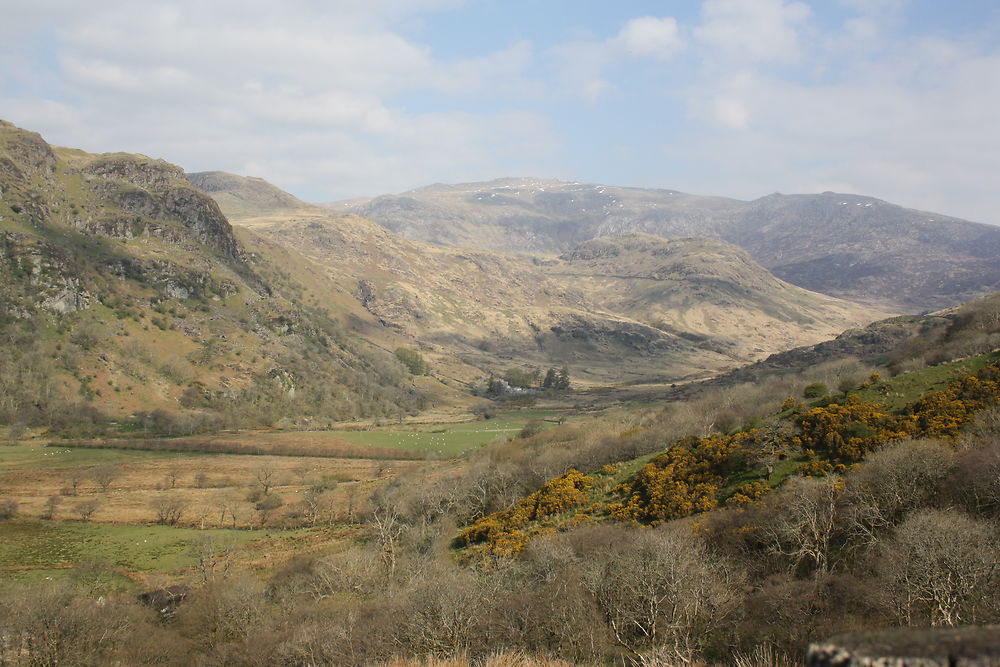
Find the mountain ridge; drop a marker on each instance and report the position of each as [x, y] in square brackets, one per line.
[850, 246]
[495, 309]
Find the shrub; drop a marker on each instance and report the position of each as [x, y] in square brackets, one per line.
[815, 390]
[8, 509]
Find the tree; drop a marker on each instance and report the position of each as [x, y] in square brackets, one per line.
[388, 528]
[663, 587]
[105, 474]
[891, 482]
[266, 506]
[50, 507]
[413, 360]
[942, 567]
[550, 379]
[846, 383]
[171, 476]
[87, 508]
[562, 379]
[168, 508]
[314, 503]
[804, 520]
[75, 477]
[265, 477]
[8, 509]
[522, 377]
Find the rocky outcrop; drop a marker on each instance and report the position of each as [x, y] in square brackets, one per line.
[158, 190]
[28, 150]
[911, 647]
[44, 275]
[136, 170]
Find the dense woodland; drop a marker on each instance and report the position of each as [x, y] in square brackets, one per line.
[730, 528]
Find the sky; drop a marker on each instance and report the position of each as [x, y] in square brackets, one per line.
[897, 99]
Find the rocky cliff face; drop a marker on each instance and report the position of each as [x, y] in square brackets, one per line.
[157, 191]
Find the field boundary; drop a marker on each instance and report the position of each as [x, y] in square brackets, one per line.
[336, 449]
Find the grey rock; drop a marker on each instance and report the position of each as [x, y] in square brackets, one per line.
[970, 646]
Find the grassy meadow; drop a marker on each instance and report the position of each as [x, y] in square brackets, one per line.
[445, 440]
[103, 501]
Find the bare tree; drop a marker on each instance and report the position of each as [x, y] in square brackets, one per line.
[51, 504]
[387, 526]
[892, 482]
[446, 613]
[352, 499]
[804, 521]
[315, 502]
[356, 571]
[942, 568]
[168, 508]
[663, 587]
[265, 477]
[266, 506]
[214, 556]
[171, 477]
[105, 474]
[302, 471]
[75, 477]
[229, 503]
[8, 509]
[87, 508]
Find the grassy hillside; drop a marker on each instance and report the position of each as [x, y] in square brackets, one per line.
[124, 292]
[834, 416]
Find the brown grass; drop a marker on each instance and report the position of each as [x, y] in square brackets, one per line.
[256, 444]
[501, 659]
[204, 482]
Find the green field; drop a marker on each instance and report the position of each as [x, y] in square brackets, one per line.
[445, 439]
[909, 387]
[38, 545]
[38, 457]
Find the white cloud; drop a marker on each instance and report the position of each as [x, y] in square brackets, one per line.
[304, 93]
[753, 30]
[582, 66]
[650, 36]
[912, 125]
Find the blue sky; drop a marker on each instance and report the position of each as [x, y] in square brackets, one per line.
[893, 98]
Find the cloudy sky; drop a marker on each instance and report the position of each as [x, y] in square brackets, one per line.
[899, 99]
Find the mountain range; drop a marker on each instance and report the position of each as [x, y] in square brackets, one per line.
[625, 308]
[850, 246]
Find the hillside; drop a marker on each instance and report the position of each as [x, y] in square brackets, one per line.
[124, 291]
[852, 247]
[243, 196]
[649, 310]
[935, 390]
[707, 290]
